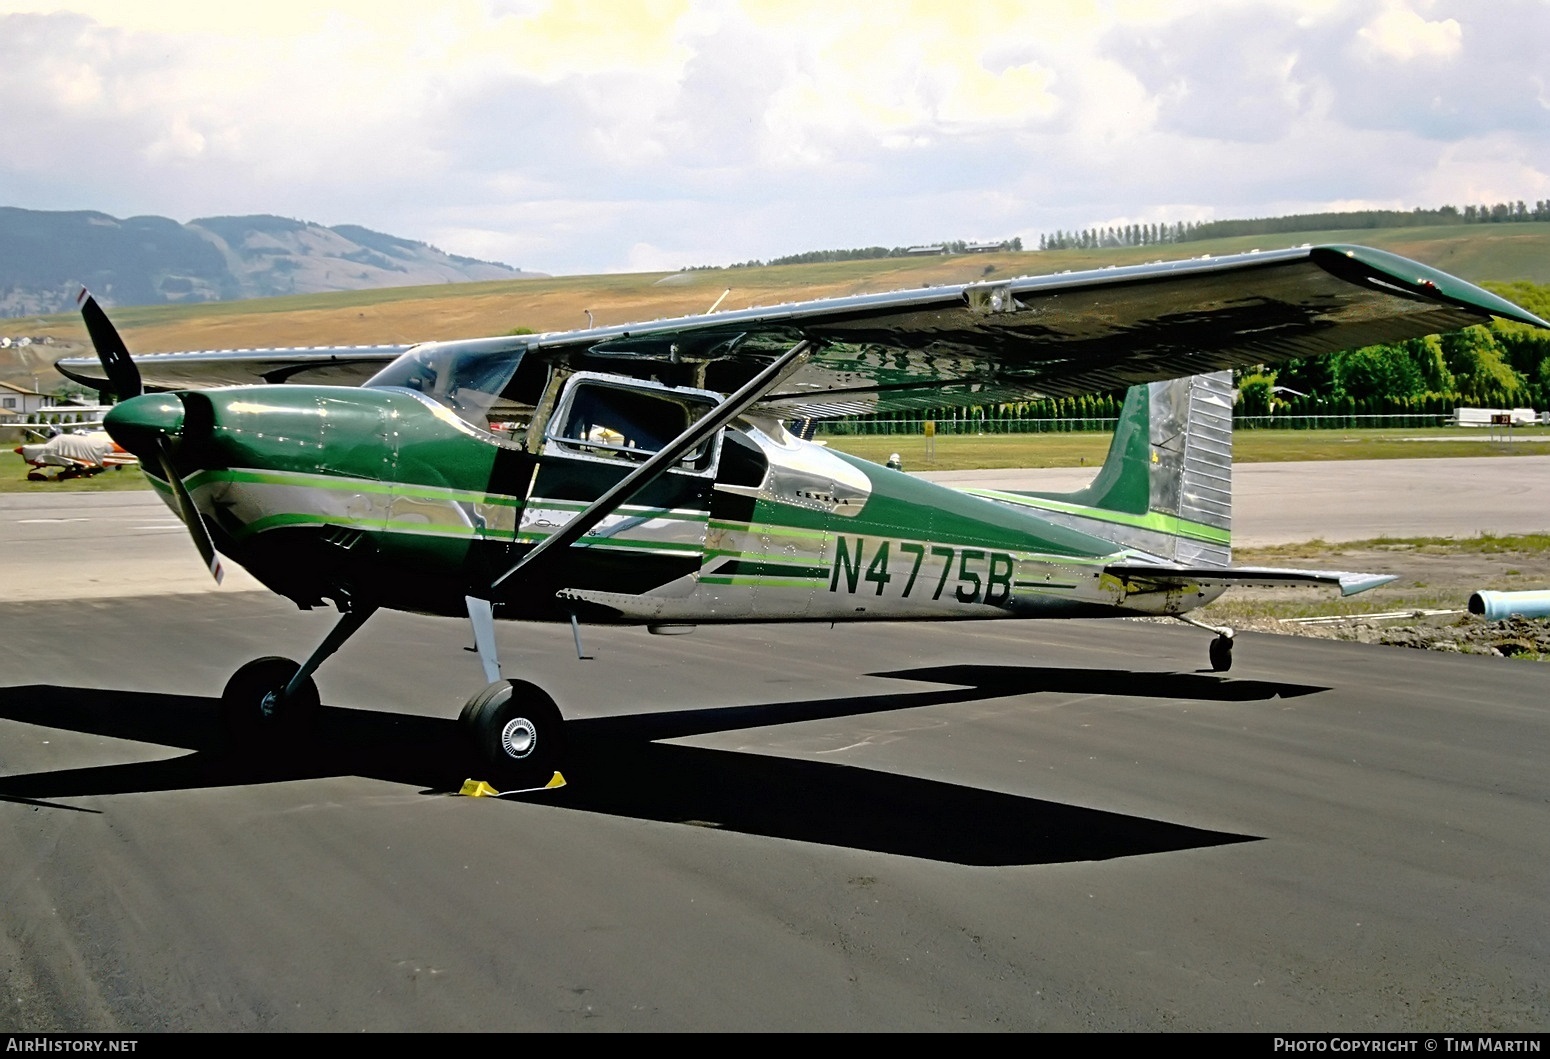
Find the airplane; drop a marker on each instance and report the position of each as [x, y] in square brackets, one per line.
[77, 453]
[644, 473]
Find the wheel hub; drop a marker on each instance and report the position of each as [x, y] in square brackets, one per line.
[519, 737]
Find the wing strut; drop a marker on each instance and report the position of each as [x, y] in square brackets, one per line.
[648, 472]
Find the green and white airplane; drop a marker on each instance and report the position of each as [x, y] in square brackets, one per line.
[646, 474]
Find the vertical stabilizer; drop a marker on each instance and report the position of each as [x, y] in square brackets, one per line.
[1166, 485]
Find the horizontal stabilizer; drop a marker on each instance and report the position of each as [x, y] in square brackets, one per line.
[1258, 576]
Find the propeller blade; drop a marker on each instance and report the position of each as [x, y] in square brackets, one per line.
[122, 374]
[190, 514]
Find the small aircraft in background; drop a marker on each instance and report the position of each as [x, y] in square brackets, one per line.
[74, 454]
[644, 474]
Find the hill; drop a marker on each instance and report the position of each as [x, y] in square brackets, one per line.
[49, 256]
[1479, 253]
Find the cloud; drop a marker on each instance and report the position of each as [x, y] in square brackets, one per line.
[1401, 34]
[585, 136]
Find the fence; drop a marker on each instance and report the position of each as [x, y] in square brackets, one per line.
[992, 425]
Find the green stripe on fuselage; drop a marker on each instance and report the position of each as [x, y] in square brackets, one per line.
[334, 483]
[296, 479]
[752, 581]
[768, 529]
[746, 566]
[1152, 520]
[902, 506]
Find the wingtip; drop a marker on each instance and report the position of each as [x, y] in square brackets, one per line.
[1351, 584]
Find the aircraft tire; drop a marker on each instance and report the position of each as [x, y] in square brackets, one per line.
[1221, 654]
[253, 718]
[518, 733]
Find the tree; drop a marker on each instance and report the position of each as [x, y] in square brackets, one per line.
[1314, 376]
[1526, 348]
[1254, 394]
[1479, 368]
[1426, 353]
[1404, 369]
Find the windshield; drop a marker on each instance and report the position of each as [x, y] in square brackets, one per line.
[473, 382]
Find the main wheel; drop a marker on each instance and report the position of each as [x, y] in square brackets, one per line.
[518, 733]
[254, 710]
[1221, 654]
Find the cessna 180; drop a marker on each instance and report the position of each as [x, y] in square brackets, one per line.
[645, 473]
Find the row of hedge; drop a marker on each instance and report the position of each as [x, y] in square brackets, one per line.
[1100, 411]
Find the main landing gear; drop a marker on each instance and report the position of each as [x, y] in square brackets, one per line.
[1220, 652]
[518, 734]
[516, 730]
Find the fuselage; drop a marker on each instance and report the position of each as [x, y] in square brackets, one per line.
[412, 500]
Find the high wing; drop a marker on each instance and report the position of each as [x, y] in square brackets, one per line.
[971, 344]
[194, 370]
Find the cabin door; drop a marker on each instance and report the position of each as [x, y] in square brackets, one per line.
[603, 427]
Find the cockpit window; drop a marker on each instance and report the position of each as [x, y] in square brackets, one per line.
[628, 424]
[480, 386]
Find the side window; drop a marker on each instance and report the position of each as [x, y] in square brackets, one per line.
[742, 462]
[624, 424]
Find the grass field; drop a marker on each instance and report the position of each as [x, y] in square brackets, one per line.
[1432, 573]
[13, 479]
[970, 452]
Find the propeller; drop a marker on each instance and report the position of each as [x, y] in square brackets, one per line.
[146, 423]
[123, 376]
[189, 513]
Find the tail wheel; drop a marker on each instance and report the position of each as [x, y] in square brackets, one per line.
[518, 732]
[1221, 654]
[254, 709]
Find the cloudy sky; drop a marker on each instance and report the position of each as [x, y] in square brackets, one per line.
[572, 136]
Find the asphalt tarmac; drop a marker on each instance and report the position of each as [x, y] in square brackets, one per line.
[979, 826]
[1284, 503]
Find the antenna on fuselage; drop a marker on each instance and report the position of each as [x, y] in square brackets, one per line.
[718, 301]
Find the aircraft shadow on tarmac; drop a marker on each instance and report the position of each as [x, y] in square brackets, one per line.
[620, 767]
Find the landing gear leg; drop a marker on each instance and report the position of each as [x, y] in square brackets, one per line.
[273, 697]
[1220, 652]
[516, 729]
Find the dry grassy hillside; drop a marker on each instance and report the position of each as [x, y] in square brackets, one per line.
[1475, 252]
[474, 309]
